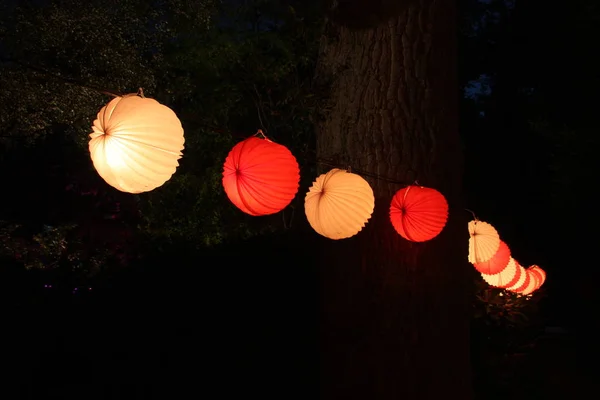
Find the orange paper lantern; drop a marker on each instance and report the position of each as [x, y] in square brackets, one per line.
[509, 276]
[260, 177]
[136, 143]
[484, 241]
[497, 263]
[418, 213]
[339, 204]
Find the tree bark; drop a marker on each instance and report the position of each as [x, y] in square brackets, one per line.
[395, 314]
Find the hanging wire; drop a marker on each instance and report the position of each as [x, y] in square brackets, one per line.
[259, 109]
[472, 213]
[259, 133]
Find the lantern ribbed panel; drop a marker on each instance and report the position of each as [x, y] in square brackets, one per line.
[339, 204]
[136, 143]
[260, 177]
[418, 213]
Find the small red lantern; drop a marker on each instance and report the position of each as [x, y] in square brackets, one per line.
[418, 213]
[260, 177]
[496, 264]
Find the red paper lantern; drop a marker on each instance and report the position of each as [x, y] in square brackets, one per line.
[260, 177]
[522, 284]
[519, 282]
[496, 264]
[508, 277]
[418, 213]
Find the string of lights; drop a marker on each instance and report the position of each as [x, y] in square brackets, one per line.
[487, 252]
[259, 133]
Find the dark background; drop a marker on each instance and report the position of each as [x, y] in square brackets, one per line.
[223, 313]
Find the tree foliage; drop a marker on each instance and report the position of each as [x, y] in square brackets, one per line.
[226, 68]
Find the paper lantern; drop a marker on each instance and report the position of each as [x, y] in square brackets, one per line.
[260, 177]
[418, 213]
[508, 277]
[533, 282]
[521, 284]
[339, 204]
[136, 143]
[541, 273]
[484, 241]
[537, 275]
[522, 277]
[497, 263]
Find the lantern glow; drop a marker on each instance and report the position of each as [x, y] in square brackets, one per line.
[260, 177]
[533, 282]
[484, 241]
[136, 143]
[507, 277]
[418, 213]
[497, 263]
[339, 204]
[541, 273]
[522, 283]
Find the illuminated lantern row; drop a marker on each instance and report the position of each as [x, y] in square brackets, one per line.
[260, 177]
[492, 258]
[136, 143]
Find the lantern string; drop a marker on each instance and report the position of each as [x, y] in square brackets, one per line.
[259, 110]
[260, 133]
[474, 216]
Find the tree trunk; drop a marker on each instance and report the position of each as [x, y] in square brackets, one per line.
[395, 314]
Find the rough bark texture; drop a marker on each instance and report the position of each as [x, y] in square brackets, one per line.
[395, 314]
